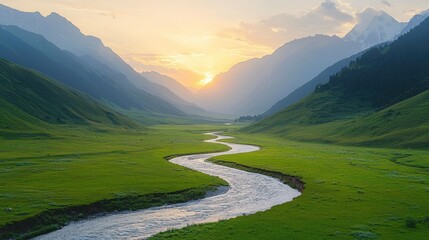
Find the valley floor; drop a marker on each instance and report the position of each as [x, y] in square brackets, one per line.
[113, 168]
[350, 193]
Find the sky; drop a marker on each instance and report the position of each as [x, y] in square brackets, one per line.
[194, 40]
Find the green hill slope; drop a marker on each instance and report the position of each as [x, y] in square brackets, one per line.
[403, 124]
[29, 100]
[358, 104]
[309, 87]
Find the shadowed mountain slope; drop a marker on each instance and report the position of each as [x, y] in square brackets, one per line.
[33, 51]
[29, 100]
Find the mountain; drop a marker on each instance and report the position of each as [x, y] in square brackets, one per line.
[182, 98]
[415, 21]
[61, 32]
[254, 86]
[171, 84]
[323, 77]
[366, 98]
[374, 27]
[30, 100]
[310, 86]
[35, 52]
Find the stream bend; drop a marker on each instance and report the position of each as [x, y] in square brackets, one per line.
[247, 193]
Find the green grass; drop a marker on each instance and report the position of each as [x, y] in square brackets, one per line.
[150, 119]
[350, 193]
[403, 125]
[77, 166]
[318, 108]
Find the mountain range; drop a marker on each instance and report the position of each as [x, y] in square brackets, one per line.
[170, 83]
[323, 77]
[380, 98]
[63, 34]
[54, 47]
[35, 52]
[252, 87]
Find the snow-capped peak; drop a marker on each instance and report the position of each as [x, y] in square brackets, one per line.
[374, 27]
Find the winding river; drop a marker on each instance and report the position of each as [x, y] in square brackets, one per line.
[247, 193]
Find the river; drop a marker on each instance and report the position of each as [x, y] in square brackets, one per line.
[247, 193]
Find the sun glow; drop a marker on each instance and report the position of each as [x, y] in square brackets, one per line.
[208, 78]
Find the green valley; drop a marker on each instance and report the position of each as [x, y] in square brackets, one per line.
[350, 193]
[92, 149]
[78, 166]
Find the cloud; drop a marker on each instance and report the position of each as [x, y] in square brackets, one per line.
[409, 13]
[327, 18]
[386, 3]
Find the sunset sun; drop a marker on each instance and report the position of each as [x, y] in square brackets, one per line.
[208, 78]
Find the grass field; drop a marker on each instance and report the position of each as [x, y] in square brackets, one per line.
[350, 193]
[79, 166]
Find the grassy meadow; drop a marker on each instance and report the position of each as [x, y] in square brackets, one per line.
[350, 193]
[75, 166]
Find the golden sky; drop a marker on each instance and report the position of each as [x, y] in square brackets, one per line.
[192, 39]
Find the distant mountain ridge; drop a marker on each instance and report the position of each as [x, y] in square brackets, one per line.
[35, 52]
[252, 87]
[414, 22]
[67, 36]
[60, 32]
[171, 84]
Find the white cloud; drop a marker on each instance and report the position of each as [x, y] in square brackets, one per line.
[327, 18]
